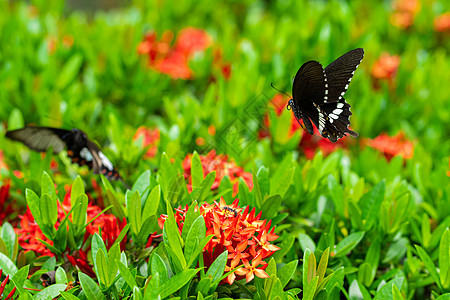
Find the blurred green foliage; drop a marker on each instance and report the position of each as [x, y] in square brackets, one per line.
[384, 221]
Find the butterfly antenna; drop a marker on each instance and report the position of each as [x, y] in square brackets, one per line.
[279, 90]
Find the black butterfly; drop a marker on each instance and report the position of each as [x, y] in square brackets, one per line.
[318, 95]
[80, 149]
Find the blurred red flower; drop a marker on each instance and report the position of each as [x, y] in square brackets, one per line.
[392, 146]
[442, 23]
[404, 13]
[150, 139]
[385, 68]
[6, 208]
[310, 143]
[3, 285]
[244, 235]
[224, 67]
[222, 166]
[29, 231]
[174, 60]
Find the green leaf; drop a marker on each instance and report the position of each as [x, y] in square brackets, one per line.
[69, 296]
[396, 294]
[15, 120]
[271, 206]
[9, 238]
[306, 242]
[323, 263]
[176, 282]
[134, 211]
[159, 267]
[428, 262]
[60, 276]
[370, 204]
[386, 291]
[196, 234]
[336, 194]
[172, 237]
[80, 212]
[310, 288]
[126, 274]
[113, 255]
[218, 267]
[48, 187]
[348, 243]
[19, 279]
[142, 185]
[69, 71]
[33, 204]
[49, 211]
[50, 292]
[7, 265]
[152, 203]
[196, 170]
[280, 185]
[77, 190]
[444, 255]
[286, 272]
[150, 225]
[102, 268]
[90, 288]
[257, 190]
[96, 245]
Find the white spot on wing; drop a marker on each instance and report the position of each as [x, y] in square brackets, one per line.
[340, 105]
[337, 111]
[333, 116]
[105, 161]
[326, 92]
[86, 154]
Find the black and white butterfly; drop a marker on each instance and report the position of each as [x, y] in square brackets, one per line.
[317, 95]
[80, 149]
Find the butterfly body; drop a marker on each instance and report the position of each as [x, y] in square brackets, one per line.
[80, 149]
[317, 95]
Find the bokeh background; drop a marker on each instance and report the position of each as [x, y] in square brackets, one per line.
[144, 78]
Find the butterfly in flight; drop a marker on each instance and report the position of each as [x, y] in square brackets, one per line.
[318, 95]
[80, 149]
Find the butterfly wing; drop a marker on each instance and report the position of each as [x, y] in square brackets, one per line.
[41, 138]
[308, 83]
[100, 163]
[340, 72]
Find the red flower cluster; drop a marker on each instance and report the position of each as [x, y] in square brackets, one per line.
[310, 143]
[244, 235]
[223, 167]
[392, 146]
[404, 13]
[6, 208]
[174, 61]
[442, 23]
[385, 68]
[150, 139]
[29, 233]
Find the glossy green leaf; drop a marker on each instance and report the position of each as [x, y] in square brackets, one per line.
[90, 288]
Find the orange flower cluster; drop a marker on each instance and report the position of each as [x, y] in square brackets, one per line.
[392, 146]
[442, 23]
[174, 61]
[29, 233]
[245, 236]
[150, 139]
[385, 68]
[404, 13]
[222, 166]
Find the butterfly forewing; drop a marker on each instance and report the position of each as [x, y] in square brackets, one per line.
[308, 83]
[340, 72]
[40, 138]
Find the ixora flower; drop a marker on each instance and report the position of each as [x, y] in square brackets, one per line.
[222, 166]
[6, 208]
[245, 236]
[442, 23]
[29, 232]
[174, 60]
[404, 13]
[392, 146]
[385, 68]
[150, 138]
